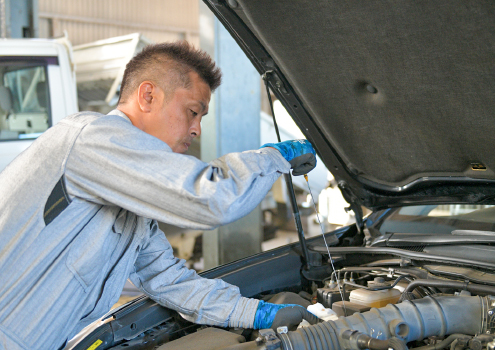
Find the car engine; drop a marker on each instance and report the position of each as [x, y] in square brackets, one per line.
[379, 306]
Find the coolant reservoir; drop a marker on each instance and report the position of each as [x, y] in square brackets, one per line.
[375, 298]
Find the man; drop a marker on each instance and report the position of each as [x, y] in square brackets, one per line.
[78, 209]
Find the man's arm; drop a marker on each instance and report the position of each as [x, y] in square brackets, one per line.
[166, 279]
[169, 282]
[113, 162]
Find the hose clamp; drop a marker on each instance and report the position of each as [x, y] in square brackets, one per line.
[287, 344]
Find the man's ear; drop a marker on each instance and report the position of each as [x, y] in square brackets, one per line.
[146, 94]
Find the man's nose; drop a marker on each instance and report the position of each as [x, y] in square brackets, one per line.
[196, 128]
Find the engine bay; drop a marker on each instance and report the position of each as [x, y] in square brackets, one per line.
[380, 304]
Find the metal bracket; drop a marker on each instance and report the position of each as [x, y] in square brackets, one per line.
[264, 76]
[272, 77]
[269, 339]
[490, 315]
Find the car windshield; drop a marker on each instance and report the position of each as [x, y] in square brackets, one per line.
[440, 219]
[24, 99]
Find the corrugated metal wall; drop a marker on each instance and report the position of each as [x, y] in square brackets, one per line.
[90, 20]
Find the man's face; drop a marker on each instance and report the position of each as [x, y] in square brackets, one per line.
[177, 120]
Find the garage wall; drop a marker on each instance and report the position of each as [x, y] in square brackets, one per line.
[91, 20]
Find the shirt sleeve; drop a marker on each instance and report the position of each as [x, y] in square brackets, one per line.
[166, 279]
[113, 162]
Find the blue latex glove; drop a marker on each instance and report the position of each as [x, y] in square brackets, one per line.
[299, 153]
[270, 315]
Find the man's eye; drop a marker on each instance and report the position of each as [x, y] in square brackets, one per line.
[193, 113]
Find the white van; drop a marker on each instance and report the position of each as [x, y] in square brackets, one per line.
[37, 89]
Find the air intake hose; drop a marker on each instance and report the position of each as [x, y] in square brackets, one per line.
[393, 324]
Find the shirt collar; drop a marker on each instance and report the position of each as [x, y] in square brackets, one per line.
[120, 114]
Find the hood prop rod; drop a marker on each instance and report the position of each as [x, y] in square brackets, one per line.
[290, 186]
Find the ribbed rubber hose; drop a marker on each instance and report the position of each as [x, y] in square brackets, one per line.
[410, 320]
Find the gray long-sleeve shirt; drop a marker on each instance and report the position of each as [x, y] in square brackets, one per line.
[59, 277]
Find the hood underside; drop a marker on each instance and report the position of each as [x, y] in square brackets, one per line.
[397, 97]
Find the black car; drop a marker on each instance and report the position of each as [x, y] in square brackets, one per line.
[398, 98]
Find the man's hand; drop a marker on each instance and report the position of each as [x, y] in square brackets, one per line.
[277, 315]
[299, 153]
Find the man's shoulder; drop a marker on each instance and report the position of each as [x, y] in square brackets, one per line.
[82, 119]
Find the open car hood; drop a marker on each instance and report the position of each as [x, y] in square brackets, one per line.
[398, 98]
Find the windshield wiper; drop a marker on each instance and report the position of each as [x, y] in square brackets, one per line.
[473, 233]
[411, 239]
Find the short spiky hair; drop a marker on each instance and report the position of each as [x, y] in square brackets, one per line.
[168, 65]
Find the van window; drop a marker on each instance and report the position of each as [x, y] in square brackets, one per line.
[24, 100]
